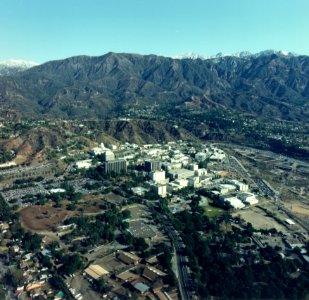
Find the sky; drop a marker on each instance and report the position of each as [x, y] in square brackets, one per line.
[42, 30]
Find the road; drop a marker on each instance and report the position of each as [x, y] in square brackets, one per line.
[184, 279]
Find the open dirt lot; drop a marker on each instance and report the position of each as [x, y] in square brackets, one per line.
[259, 220]
[42, 218]
[300, 209]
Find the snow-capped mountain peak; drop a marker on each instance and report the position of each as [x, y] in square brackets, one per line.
[242, 54]
[13, 66]
[18, 63]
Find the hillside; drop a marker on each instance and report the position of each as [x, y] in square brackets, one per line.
[83, 87]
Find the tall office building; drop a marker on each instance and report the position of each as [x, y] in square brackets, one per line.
[116, 166]
[152, 165]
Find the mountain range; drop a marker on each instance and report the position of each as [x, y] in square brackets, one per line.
[273, 85]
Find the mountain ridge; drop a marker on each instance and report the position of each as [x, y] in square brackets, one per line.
[270, 85]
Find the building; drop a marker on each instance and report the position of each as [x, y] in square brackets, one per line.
[128, 258]
[98, 150]
[57, 190]
[152, 165]
[159, 189]
[114, 166]
[112, 146]
[194, 181]
[96, 272]
[235, 202]
[226, 188]
[193, 167]
[127, 276]
[83, 164]
[152, 273]
[201, 172]
[242, 187]
[248, 198]
[177, 185]
[141, 287]
[180, 173]
[108, 155]
[157, 176]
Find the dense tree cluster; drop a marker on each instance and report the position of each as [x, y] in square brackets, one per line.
[219, 269]
[97, 229]
[5, 210]
[70, 263]
[31, 242]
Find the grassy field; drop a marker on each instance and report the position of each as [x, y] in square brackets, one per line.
[213, 212]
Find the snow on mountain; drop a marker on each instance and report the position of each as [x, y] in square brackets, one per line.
[18, 63]
[190, 55]
[12, 66]
[242, 54]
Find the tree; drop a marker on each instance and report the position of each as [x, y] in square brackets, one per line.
[140, 244]
[102, 287]
[31, 242]
[71, 263]
[14, 277]
[5, 210]
[126, 214]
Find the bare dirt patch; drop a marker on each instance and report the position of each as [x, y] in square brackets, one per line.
[259, 220]
[42, 218]
[300, 209]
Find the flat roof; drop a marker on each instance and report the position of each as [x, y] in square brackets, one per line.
[141, 287]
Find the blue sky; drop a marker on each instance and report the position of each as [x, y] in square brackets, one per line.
[42, 30]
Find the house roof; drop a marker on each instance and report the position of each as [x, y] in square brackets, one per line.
[96, 271]
[161, 295]
[128, 257]
[127, 276]
[152, 273]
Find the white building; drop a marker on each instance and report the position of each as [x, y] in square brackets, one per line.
[58, 190]
[157, 176]
[242, 187]
[235, 202]
[226, 188]
[83, 164]
[177, 185]
[248, 198]
[98, 150]
[180, 173]
[108, 155]
[194, 181]
[201, 172]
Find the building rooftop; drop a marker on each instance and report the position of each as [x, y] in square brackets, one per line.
[96, 271]
[141, 287]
